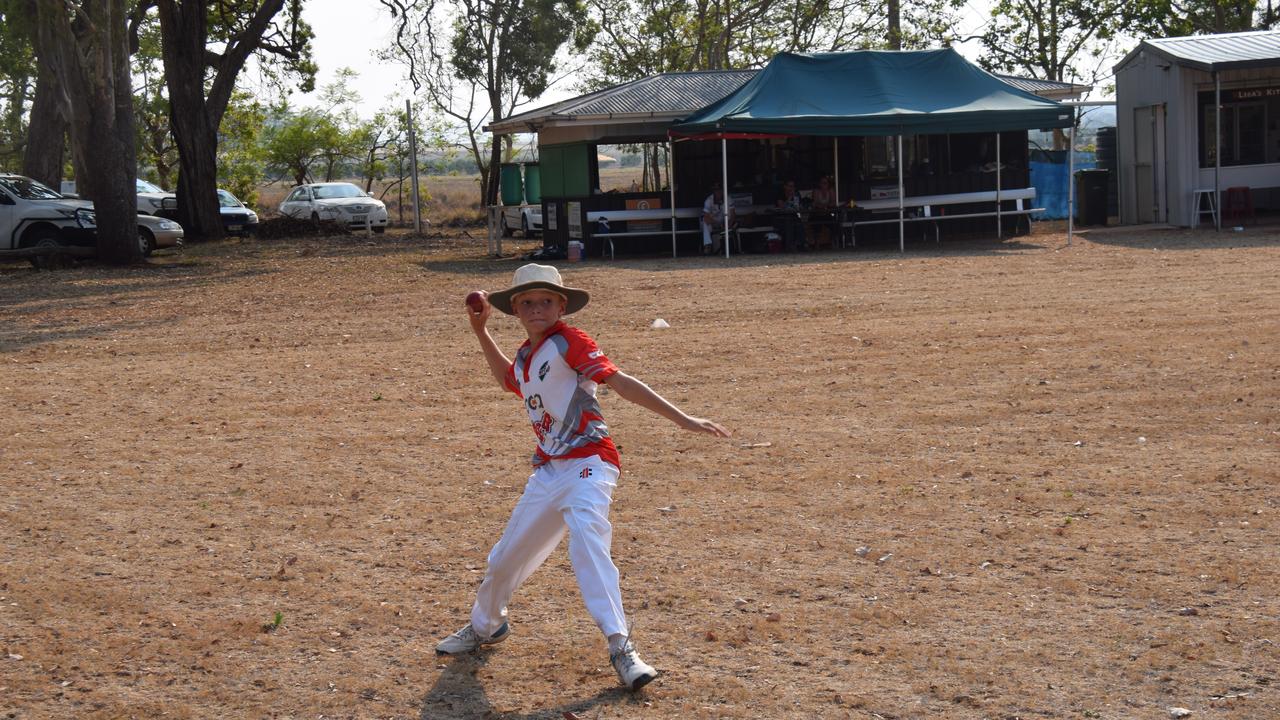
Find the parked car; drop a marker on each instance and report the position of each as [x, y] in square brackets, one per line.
[152, 199]
[157, 232]
[237, 218]
[338, 201]
[528, 218]
[33, 215]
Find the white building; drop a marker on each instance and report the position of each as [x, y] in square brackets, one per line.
[1170, 94]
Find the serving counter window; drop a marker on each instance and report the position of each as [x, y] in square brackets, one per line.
[1249, 127]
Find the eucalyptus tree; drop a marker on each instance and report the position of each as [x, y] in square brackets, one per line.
[205, 45]
[1175, 18]
[1063, 40]
[639, 38]
[17, 84]
[84, 45]
[241, 157]
[479, 60]
[296, 143]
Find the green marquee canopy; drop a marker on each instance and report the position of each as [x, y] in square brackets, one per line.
[871, 92]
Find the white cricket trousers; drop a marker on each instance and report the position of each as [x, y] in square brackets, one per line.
[561, 495]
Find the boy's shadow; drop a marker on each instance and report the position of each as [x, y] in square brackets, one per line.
[458, 695]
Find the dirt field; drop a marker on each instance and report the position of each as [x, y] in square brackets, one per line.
[981, 480]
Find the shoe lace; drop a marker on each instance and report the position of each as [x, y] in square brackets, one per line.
[626, 655]
[625, 658]
[468, 634]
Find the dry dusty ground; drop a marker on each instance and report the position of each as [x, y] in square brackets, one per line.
[981, 480]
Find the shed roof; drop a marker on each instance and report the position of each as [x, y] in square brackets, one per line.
[675, 95]
[1228, 51]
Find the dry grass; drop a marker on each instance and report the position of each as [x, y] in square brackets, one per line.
[1060, 460]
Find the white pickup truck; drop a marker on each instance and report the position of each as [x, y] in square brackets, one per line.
[525, 218]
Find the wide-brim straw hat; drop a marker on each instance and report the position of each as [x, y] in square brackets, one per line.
[539, 277]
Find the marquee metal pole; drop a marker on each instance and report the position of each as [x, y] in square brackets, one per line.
[835, 163]
[1071, 172]
[902, 225]
[1217, 152]
[671, 184]
[999, 219]
[413, 165]
[724, 189]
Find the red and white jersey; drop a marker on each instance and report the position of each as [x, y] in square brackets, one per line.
[557, 379]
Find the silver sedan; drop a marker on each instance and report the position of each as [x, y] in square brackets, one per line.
[157, 232]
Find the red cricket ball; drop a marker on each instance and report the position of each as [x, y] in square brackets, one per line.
[475, 300]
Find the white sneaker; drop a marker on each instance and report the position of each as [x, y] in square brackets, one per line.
[467, 640]
[632, 671]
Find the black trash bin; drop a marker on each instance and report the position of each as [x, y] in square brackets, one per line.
[1091, 196]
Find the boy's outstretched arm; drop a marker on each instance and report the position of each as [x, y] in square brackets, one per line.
[637, 392]
[497, 360]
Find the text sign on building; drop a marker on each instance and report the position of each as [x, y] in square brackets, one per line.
[1251, 94]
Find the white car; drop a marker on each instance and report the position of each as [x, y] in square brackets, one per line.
[527, 218]
[33, 215]
[338, 201]
[151, 199]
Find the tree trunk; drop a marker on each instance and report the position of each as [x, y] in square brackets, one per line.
[160, 139]
[895, 24]
[655, 162]
[183, 33]
[193, 117]
[90, 61]
[495, 165]
[46, 133]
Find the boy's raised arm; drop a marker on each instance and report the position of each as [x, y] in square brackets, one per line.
[498, 362]
[631, 389]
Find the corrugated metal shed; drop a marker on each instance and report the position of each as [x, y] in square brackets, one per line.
[1229, 51]
[673, 96]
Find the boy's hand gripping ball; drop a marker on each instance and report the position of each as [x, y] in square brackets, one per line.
[476, 301]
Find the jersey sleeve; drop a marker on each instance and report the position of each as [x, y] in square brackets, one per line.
[586, 357]
[509, 382]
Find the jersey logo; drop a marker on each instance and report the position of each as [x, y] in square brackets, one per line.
[594, 355]
[586, 473]
[542, 371]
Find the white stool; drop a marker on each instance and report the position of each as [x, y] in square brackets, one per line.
[1197, 211]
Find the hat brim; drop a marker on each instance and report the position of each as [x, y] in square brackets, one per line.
[575, 299]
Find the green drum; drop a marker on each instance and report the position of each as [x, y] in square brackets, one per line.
[532, 184]
[512, 190]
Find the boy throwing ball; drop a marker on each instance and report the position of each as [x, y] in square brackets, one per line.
[576, 465]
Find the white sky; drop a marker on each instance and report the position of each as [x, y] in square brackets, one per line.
[349, 33]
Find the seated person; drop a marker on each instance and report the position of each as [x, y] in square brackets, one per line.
[824, 197]
[822, 216]
[786, 218]
[712, 221]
